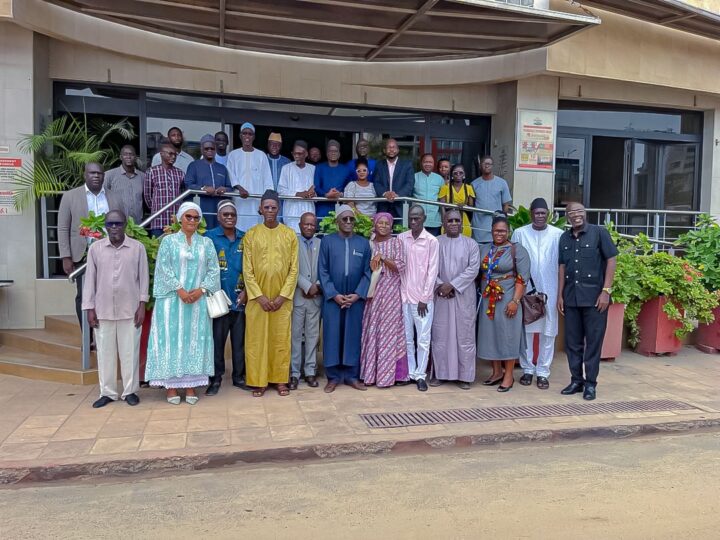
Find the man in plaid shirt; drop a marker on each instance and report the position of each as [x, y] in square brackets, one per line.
[163, 183]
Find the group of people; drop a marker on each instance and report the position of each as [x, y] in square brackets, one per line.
[393, 310]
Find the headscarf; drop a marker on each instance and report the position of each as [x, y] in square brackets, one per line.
[207, 138]
[247, 125]
[538, 203]
[184, 207]
[222, 204]
[377, 217]
[344, 209]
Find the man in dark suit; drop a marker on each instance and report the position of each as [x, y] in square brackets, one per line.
[393, 178]
[76, 204]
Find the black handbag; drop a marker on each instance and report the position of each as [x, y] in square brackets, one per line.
[533, 302]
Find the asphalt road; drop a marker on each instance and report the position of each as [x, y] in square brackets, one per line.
[648, 488]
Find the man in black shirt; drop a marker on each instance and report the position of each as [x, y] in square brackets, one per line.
[587, 268]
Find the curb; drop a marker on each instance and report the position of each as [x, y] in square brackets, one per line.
[20, 475]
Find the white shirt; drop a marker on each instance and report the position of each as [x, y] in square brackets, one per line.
[98, 204]
[292, 180]
[182, 161]
[250, 170]
[543, 248]
[391, 171]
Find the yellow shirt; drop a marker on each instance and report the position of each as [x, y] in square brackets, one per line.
[459, 197]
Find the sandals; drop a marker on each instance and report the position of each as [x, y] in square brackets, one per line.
[283, 390]
[191, 400]
[175, 400]
[259, 392]
[543, 383]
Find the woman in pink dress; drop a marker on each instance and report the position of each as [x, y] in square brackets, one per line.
[383, 357]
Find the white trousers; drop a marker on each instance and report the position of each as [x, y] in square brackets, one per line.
[113, 339]
[417, 364]
[545, 353]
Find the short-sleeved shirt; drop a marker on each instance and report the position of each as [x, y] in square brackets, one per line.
[489, 195]
[585, 258]
[427, 187]
[230, 257]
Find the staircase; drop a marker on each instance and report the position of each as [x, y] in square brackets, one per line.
[52, 354]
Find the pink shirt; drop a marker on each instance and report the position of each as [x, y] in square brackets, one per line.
[421, 267]
[116, 279]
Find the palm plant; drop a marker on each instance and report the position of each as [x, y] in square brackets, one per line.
[61, 151]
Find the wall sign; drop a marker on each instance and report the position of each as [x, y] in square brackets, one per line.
[535, 140]
[8, 168]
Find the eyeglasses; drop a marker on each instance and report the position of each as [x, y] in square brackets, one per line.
[190, 217]
[453, 220]
[113, 224]
[459, 173]
[576, 213]
[361, 171]
[348, 219]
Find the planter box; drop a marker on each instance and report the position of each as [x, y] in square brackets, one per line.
[613, 340]
[708, 335]
[657, 332]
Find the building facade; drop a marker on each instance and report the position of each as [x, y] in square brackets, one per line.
[634, 105]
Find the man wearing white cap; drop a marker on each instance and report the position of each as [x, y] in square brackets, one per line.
[276, 161]
[250, 175]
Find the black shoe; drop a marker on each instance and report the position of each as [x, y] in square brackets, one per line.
[241, 385]
[526, 379]
[589, 394]
[422, 385]
[104, 400]
[436, 382]
[293, 383]
[213, 389]
[132, 400]
[402, 383]
[311, 381]
[502, 388]
[572, 388]
[543, 383]
[144, 384]
[490, 382]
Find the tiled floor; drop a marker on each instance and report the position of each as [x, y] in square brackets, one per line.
[44, 422]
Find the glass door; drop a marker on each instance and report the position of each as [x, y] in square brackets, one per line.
[570, 173]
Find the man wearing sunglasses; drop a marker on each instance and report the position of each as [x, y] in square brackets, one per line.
[114, 297]
[344, 272]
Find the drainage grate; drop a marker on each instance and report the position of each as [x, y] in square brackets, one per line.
[453, 416]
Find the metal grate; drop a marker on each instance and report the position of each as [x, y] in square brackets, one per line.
[453, 416]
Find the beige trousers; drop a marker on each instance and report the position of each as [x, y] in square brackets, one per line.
[113, 339]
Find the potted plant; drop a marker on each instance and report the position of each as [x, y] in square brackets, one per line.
[702, 250]
[522, 217]
[363, 225]
[663, 295]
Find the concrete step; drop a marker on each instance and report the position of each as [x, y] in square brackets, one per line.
[57, 344]
[65, 324]
[34, 365]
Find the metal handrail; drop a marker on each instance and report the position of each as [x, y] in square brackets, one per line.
[81, 269]
[638, 211]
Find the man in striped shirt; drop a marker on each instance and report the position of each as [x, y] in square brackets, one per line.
[163, 183]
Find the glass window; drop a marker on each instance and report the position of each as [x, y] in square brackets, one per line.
[599, 116]
[193, 130]
[569, 170]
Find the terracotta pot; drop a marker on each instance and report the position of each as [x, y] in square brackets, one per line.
[144, 335]
[657, 332]
[613, 340]
[708, 335]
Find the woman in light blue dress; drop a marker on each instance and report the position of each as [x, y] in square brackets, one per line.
[180, 347]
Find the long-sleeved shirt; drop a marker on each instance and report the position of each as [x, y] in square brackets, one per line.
[250, 170]
[421, 267]
[230, 259]
[326, 178]
[276, 166]
[202, 173]
[116, 279]
[292, 180]
[162, 186]
[129, 188]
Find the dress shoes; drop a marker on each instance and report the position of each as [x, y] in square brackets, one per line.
[293, 383]
[311, 381]
[589, 394]
[502, 388]
[572, 388]
[132, 400]
[436, 382]
[526, 379]
[241, 385]
[422, 385]
[543, 383]
[330, 387]
[357, 385]
[104, 400]
[402, 383]
[490, 382]
[213, 389]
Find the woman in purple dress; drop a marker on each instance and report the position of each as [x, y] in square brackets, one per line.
[383, 358]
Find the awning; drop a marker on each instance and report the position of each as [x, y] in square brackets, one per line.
[363, 30]
[670, 13]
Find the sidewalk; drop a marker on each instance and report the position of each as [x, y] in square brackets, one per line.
[49, 430]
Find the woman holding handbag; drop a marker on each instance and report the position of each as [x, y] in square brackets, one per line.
[383, 356]
[504, 270]
[180, 347]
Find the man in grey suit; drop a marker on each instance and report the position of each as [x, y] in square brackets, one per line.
[306, 304]
[74, 205]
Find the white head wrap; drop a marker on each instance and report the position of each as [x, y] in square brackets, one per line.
[224, 203]
[344, 209]
[184, 207]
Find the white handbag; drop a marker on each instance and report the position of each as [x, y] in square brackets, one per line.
[218, 304]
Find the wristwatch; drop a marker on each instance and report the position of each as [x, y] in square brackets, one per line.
[608, 290]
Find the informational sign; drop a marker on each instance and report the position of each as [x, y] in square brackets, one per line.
[535, 140]
[8, 168]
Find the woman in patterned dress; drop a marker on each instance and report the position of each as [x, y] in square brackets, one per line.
[383, 357]
[180, 347]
